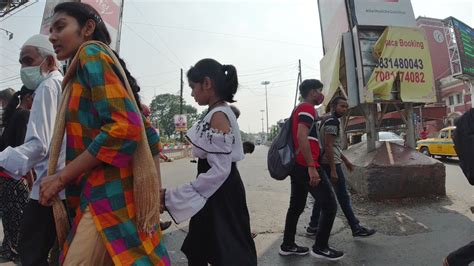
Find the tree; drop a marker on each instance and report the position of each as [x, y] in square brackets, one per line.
[163, 109]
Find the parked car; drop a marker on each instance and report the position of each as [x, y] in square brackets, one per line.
[443, 145]
[387, 136]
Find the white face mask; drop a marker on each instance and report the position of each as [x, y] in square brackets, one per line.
[32, 76]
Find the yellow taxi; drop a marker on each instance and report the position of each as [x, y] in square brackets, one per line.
[443, 145]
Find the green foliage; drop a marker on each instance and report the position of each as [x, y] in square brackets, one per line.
[163, 109]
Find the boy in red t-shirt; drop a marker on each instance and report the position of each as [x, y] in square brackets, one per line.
[307, 176]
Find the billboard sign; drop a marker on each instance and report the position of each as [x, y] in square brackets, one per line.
[109, 10]
[334, 22]
[330, 65]
[48, 14]
[404, 64]
[465, 41]
[383, 13]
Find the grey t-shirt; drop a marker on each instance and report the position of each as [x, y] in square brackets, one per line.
[331, 125]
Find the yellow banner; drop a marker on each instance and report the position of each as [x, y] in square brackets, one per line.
[329, 66]
[403, 55]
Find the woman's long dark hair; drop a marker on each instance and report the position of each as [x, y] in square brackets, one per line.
[16, 99]
[224, 77]
[84, 12]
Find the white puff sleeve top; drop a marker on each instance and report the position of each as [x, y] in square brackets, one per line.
[221, 150]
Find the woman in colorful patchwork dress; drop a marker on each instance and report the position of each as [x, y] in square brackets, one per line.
[103, 130]
[219, 230]
[14, 194]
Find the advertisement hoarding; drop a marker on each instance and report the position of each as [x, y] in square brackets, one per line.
[111, 13]
[404, 64]
[383, 13]
[330, 65]
[48, 14]
[465, 40]
[334, 21]
[109, 10]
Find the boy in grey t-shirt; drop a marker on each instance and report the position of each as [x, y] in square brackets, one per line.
[330, 139]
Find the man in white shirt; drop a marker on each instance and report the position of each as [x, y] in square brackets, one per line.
[39, 72]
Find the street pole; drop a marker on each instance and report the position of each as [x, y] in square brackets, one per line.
[411, 141]
[263, 129]
[370, 113]
[298, 81]
[181, 102]
[265, 83]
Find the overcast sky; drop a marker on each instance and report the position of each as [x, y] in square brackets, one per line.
[263, 39]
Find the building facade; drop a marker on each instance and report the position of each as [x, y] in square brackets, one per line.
[453, 93]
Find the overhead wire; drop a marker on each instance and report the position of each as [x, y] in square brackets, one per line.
[157, 34]
[231, 35]
[151, 45]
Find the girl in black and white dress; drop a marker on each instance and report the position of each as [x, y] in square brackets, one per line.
[219, 230]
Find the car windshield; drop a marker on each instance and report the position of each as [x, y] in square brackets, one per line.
[384, 135]
[388, 135]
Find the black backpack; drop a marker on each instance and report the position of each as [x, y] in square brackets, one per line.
[281, 155]
[464, 144]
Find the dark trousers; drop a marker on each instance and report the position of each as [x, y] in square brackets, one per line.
[323, 193]
[343, 198]
[462, 256]
[14, 196]
[38, 234]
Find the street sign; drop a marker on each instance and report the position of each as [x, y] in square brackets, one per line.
[180, 123]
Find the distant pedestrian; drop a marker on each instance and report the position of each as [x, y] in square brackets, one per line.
[249, 147]
[219, 230]
[424, 133]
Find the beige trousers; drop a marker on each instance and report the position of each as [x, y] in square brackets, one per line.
[87, 247]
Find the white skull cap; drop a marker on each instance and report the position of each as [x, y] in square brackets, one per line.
[40, 41]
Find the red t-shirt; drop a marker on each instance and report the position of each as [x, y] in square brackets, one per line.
[424, 134]
[306, 114]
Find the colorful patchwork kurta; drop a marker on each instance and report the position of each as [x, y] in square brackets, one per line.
[102, 120]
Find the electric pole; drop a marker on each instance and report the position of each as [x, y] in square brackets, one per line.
[299, 79]
[265, 83]
[263, 129]
[181, 102]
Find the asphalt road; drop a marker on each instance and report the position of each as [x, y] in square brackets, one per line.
[410, 231]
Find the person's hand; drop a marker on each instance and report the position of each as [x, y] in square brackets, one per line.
[349, 166]
[314, 178]
[162, 200]
[334, 177]
[49, 188]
